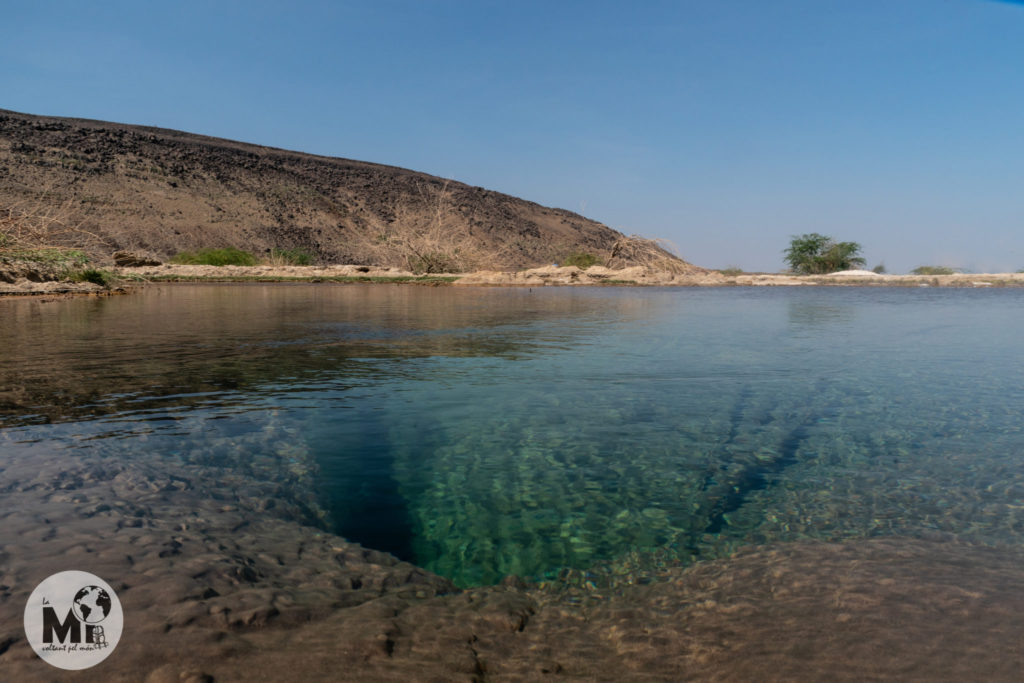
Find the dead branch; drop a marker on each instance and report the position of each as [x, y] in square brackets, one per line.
[656, 254]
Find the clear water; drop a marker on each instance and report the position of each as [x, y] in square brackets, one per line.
[602, 431]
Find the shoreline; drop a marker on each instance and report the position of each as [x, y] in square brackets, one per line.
[547, 276]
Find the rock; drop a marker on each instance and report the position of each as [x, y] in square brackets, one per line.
[129, 259]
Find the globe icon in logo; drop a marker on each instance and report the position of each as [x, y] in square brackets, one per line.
[91, 605]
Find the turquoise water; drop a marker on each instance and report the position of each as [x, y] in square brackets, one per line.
[590, 432]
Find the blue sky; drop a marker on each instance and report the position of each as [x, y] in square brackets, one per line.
[724, 126]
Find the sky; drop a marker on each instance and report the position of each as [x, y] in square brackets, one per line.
[723, 126]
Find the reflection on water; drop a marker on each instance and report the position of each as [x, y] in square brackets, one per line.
[812, 312]
[485, 432]
[190, 346]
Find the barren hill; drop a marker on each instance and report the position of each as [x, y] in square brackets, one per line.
[110, 186]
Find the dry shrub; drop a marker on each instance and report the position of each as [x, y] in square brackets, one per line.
[426, 235]
[656, 254]
[288, 257]
[44, 240]
[35, 226]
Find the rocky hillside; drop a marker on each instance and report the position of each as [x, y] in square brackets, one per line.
[106, 187]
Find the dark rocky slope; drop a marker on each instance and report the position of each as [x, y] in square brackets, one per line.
[123, 187]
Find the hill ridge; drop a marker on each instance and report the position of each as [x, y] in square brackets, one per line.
[162, 191]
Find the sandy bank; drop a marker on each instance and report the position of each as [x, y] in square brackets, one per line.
[571, 275]
[534, 277]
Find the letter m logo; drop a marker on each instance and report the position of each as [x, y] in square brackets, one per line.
[52, 625]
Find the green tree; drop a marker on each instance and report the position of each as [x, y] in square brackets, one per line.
[814, 254]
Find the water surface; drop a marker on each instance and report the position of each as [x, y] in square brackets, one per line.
[597, 432]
